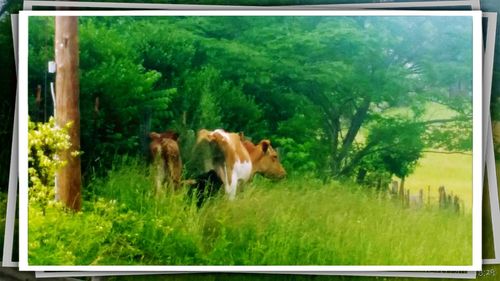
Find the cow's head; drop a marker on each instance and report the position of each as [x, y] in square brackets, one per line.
[265, 160]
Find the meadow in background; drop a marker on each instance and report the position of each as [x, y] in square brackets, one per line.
[349, 102]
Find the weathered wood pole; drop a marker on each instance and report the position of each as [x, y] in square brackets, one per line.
[68, 178]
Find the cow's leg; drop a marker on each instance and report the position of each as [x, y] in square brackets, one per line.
[160, 175]
[225, 175]
[230, 187]
[231, 190]
[233, 184]
[168, 175]
[174, 173]
[156, 172]
[175, 177]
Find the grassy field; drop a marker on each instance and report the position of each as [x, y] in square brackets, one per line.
[292, 222]
[454, 171]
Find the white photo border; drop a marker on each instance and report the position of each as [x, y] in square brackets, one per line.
[476, 17]
[10, 214]
[451, 275]
[490, 153]
[473, 4]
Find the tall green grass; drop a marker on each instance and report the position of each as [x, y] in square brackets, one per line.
[291, 222]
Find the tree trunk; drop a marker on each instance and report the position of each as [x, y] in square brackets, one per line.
[357, 120]
[355, 160]
[361, 176]
[68, 178]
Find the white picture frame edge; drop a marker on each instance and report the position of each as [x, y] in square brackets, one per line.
[490, 155]
[10, 215]
[474, 5]
[476, 262]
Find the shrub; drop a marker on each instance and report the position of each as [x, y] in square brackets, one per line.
[45, 141]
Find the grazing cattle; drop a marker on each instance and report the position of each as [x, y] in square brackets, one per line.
[264, 158]
[235, 159]
[166, 158]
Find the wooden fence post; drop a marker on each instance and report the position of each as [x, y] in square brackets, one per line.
[442, 197]
[421, 197]
[456, 204]
[402, 191]
[407, 198]
[429, 195]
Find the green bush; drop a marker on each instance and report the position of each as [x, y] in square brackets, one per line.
[45, 141]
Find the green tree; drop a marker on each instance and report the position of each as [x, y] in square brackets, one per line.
[321, 88]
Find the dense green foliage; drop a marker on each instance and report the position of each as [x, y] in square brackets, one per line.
[320, 88]
[124, 223]
[45, 141]
[8, 88]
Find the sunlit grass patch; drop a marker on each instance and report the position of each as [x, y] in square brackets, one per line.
[453, 171]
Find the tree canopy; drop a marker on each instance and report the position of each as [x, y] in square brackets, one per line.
[339, 96]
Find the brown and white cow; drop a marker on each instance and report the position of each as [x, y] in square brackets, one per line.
[166, 158]
[236, 160]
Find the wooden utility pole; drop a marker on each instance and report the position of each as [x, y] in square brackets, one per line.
[68, 179]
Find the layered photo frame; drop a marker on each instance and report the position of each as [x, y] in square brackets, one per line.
[476, 17]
